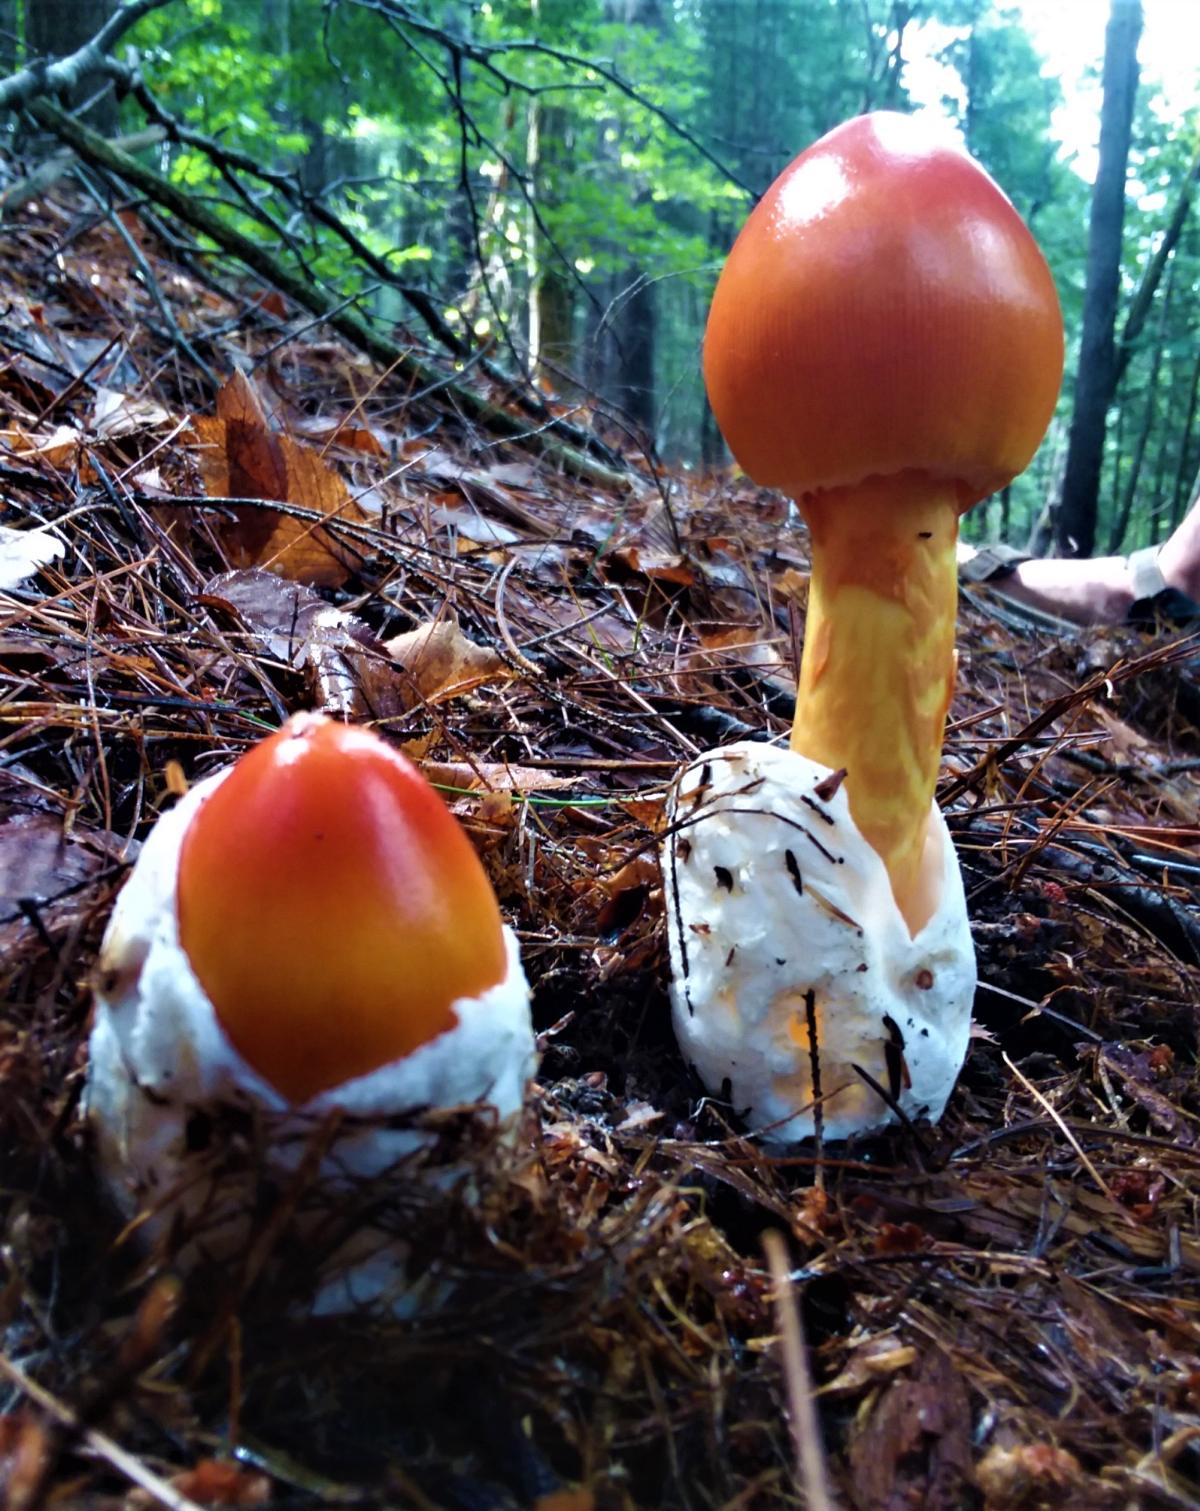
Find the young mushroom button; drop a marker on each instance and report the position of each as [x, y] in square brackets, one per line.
[332, 909]
[310, 934]
[885, 345]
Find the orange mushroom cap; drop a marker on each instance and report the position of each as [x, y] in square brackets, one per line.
[331, 907]
[884, 309]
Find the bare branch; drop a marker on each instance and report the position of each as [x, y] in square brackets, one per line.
[486, 53]
[42, 78]
[93, 148]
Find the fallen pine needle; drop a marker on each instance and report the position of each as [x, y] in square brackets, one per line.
[806, 1432]
[1066, 1132]
[100, 1443]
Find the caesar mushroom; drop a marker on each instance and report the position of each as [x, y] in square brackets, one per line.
[885, 346]
[308, 933]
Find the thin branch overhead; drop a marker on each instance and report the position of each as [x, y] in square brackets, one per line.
[58, 77]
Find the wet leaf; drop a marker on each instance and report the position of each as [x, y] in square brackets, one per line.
[353, 676]
[658, 566]
[44, 870]
[914, 1449]
[487, 776]
[240, 456]
[116, 414]
[57, 449]
[216, 1482]
[442, 663]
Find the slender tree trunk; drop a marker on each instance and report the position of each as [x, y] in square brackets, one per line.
[551, 290]
[1183, 470]
[1124, 414]
[1121, 523]
[1096, 380]
[8, 36]
[1139, 305]
[634, 317]
[637, 327]
[55, 28]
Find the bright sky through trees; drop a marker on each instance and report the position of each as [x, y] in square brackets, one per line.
[1070, 36]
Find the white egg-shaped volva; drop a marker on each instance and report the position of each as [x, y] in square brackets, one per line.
[300, 998]
[792, 967]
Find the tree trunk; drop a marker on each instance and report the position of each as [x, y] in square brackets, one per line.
[1121, 524]
[8, 36]
[551, 289]
[633, 312]
[1139, 305]
[1183, 471]
[56, 28]
[636, 327]
[1096, 380]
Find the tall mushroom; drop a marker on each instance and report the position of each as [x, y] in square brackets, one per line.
[307, 934]
[885, 346]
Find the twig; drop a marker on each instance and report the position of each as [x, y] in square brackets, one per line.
[100, 1443]
[42, 78]
[95, 149]
[806, 1432]
[1053, 1112]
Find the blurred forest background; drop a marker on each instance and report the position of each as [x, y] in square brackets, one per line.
[548, 188]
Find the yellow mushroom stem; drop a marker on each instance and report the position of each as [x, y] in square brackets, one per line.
[878, 667]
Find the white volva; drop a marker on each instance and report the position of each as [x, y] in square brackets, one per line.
[791, 964]
[162, 1070]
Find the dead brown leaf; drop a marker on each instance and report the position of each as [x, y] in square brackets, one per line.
[353, 676]
[658, 566]
[442, 663]
[240, 456]
[115, 414]
[215, 1482]
[740, 648]
[793, 584]
[487, 776]
[914, 1449]
[57, 449]
[43, 871]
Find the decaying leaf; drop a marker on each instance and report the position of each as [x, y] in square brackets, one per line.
[215, 1482]
[116, 414]
[794, 584]
[658, 566]
[58, 449]
[1026, 1475]
[914, 1448]
[488, 776]
[874, 1359]
[441, 662]
[24, 1445]
[240, 456]
[353, 677]
[743, 647]
[42, 869]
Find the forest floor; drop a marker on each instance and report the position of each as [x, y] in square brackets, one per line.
[1002, 1311]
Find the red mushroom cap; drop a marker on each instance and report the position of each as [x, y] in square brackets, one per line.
[332, 908]
[885, 309]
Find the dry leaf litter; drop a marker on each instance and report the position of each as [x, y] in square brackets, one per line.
[1001, 1312]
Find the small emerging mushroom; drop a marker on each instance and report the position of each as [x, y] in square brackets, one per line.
[884, 345]
[308, 933]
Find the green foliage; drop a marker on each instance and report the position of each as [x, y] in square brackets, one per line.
[532, 163]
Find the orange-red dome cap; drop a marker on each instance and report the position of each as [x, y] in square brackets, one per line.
[332, 908]
[884, 309]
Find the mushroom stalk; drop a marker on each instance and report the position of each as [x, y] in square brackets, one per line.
[877, 672]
